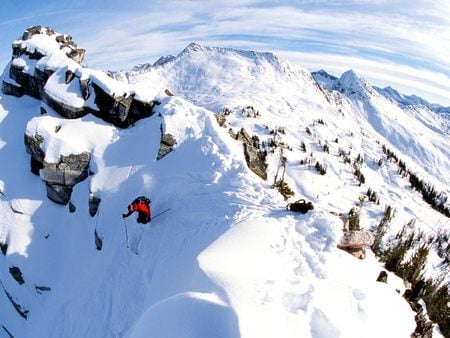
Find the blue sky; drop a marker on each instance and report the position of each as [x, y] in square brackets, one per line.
[401, 43]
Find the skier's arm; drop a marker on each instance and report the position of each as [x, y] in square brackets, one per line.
[130, 211]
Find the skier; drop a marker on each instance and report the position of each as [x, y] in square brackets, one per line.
[142, 206]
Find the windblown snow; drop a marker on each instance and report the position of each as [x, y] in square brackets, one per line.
[228, 260]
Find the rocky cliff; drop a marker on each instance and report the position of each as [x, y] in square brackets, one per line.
[47, 66]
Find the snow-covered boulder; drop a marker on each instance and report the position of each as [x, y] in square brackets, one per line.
[356, 242]
[47, 66]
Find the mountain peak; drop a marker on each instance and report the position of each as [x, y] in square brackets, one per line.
[326, 80]
[192, 47]
[352, 82]
[351, 75]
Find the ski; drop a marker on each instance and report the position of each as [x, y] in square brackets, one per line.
[136, 252]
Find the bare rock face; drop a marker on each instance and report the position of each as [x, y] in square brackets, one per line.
[26, 77]
[12, 89]
[33, 147]
[94, 203]
[166, 146]
[253, 156]
[16, 274]
[60, 177]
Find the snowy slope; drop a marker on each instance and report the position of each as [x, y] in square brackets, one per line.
[227, 260]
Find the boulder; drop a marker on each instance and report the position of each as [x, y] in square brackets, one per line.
[62, 176]
[221, 119]
[356, 243]
[166, 145]
[72, 207]
[382, 277]
[69, 171]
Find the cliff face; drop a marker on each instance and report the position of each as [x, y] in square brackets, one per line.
[47, 66]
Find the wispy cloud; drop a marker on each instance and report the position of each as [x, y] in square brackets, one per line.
[407, 39]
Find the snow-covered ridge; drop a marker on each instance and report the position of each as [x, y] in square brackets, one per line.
[330, 82]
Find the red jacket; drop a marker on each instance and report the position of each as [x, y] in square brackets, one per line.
[140, 207]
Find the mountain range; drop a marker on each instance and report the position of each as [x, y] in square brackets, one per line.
[221, 141]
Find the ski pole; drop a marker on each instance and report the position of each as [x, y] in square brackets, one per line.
[162, 212]
[126, 231]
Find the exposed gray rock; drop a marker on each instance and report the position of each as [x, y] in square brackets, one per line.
[59, 193]
[40, 289]
[166, 145]
[4, 247]
[254, 158]
[35, 165]
[122, 111]
[72, 207]
[69, 76]
[382, 277]
[32, 85]
[353, 219]
[59, 177]
[84, 88]
[30, 31]
[62, 176]
[10, 89]
[221, 119]
[63, 109]
[33, 147]
[94, 203]
[16, 274]
[69, 171]
[98, 241]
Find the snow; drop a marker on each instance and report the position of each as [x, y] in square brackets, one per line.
[227, 260]
[91, 136]
[58, 90]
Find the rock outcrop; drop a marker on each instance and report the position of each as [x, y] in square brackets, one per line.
[62, 176]
[94, 203]
[166, 145]
[47, 66]
[253, 156]
[356, 242]
[59, 177]
[16, 274]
